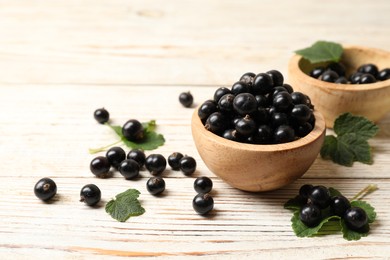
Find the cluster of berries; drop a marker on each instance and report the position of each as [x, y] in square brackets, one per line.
[335, 72]
[258, 109]
[316, 199]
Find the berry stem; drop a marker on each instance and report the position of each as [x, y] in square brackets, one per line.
[103, 148]
[364, 192]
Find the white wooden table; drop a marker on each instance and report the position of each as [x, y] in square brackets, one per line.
[61, 60]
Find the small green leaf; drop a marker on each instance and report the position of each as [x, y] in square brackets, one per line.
[125, 205]
[329, 147]
[333, 192]
[301, 230]
[361, 126]
[294, 204]
[150, 126]
[350, 235]
[370, 210]
[322, 51]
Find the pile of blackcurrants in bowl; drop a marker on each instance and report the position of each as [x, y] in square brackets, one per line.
[335, 72]
[258, 109]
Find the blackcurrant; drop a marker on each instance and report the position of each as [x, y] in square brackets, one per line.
[206, 109]
[115, 155]
[284, 134]
[320, 196]
[367, 79]
[174, 160]
[216, 123]
[133, 130]
[355, 77]
[282, 101]
[90, 194]
[384, 74]
[45, 189]
[225, 103]
[341, 80]
[203, 203]
[245, 126]
[262, 83]
[155, 163]
[338, 205]
[231, 134]
[188, 165]
[262, 101]
[288, 88]
[220, 92]
[263, 135]
[301, 113]
[248, 78]
[100, 166]
[239, 87]
[277, 77]
[186, 99]
[299, 98]
[303, 129]
[310, 215]
[337, 67]
[369, 68]
[129, 169]
[137, 155]
[329, 76]
[278, 119]
[203, 184]
[101, 115]
[155, 185]
[317, 72]
[355, 218]
[305, 190]
[244, 103]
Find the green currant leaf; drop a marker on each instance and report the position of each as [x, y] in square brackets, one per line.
[150, 126]
[301, 230]
[350, 235]
[361, 126]
[329, 147]
[294, 204]
[322, 51]
[333, 192]
[370, 210]
[125, 205]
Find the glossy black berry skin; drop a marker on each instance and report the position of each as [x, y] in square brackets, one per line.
[303, 129]
[188, 165]
[355, 77]
[115, 155]
[339, 205]
[299, 98]
[133, 130]
[232, 134]
[45, 189]
[203, 203]
[310, 215]
[317, 72]
[100, 166]
[320, 196]
[262, 84]
[301, 113]
[282, 101]
[186, 99]
[369, 68]
[329, 76]
[305, 190]
[174, 160]
[337, 67]
[244, 104]
[248, 78]
[216, 123]
[384, 74]
[155, 163]
[263, 135]
[225, 103]
[101, 115]
[137, 155]
[341, 80]
[203, 184]
[129, 169]
[245, 126]
[239, 87]
[90, 194]
[367, 79]
[277, 119]
[220, 92]
[355, 218]
[277, 77]
[155, 185]
[206, 109]
[288, 87]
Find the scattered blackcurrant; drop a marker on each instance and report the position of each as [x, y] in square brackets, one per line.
[174, 160]
[133, 130]
[310, 215]
[355, 218]
[186, 99]
[101, 115]
[100, 166]
[90, 194]
[155, 185]
[203, 184]
[137, 155]
[203, 203]
[115, 156]
[155, 163]
[320, 196]
[129, 169]
[187, 165]
[45, 189]
[339, 204]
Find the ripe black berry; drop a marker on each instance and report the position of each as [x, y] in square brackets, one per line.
[262, 101]
[301, 113]
[133, 130]
[262, 84]
[45, 189]
[155, 185]
[288, 88]
[90, 194]
[369, 68]
[384, 74]
[278, 119]
[277, 77]
[248, 78]
[337, 67]
[186, 99]
[220, 92]
[216, 123]
[303, 129]
[282, 101]
[155, 163]
[206, 109]
[341, 80]
[115, 155]
[355, 77]
[203, 185]
[100, 166]
[320, 196]
[329, 76]
[299, 98]
[245, 126]
[245, 103]
[203, 203]
[239, 87]
[174, 160]
[305, 190]
[284, 134]
[187, 165]
[310, 215]
[101, 115]
[355, 218]
[367, 79]
[339, 204]
[129, 169]
[317, 72]
[225, 103]
[137, 155]
[231, 134]
[263, 135]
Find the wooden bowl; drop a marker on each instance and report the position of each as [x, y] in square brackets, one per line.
[369, 100]
[253, 167]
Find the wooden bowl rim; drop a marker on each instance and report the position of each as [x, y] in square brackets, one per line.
[318, 130]
[297, 72]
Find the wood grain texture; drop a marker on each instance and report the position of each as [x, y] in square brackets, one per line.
[61, 60]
